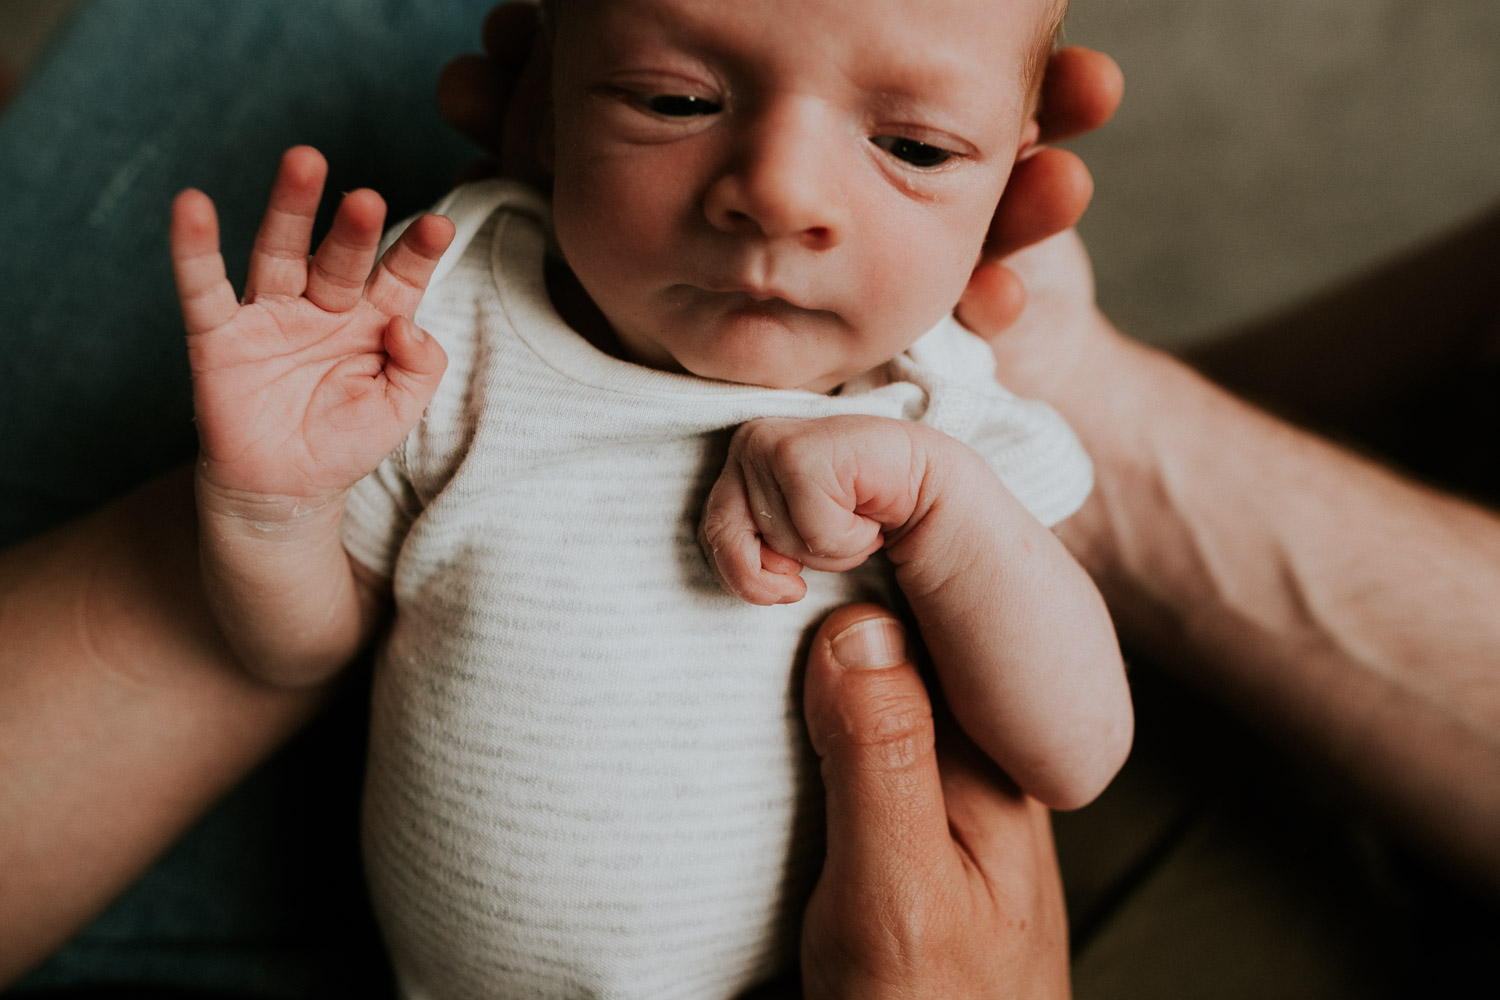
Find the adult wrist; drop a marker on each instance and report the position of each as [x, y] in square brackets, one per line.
[1110, 399]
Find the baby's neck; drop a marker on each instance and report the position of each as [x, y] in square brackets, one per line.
[577, 310]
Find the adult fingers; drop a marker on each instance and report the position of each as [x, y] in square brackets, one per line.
[525, 152]
[337, 273]
[278, 260]
[510, 30]
[1080, 92]
[475, 90]
[938, 881]
[1047, 193]
[993, 300]
[1048, 190]
[203, 289]
[400, 278]
[870, 721]
[471, 97]
[1005, 836]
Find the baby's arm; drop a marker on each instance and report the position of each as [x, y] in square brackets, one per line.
[1020, 638]
[300, 389]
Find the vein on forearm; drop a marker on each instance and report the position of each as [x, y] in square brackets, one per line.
[1346, 608]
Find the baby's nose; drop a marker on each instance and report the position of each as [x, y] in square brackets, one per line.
[782, 182]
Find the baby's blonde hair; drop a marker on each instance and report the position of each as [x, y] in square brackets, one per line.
[1041, 51]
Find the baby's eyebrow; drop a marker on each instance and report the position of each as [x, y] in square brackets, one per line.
[962, 105]
[943, 89]
[920, 75]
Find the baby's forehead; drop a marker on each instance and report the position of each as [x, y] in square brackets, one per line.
[1043, 15]
[1007, 27]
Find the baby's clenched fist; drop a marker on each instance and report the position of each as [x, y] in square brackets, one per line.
[825, 494]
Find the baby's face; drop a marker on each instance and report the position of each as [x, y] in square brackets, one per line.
[784, 192]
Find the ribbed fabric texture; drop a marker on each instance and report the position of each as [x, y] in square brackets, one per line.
[588, 775]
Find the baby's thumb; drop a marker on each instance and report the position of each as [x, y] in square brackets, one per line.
[415, 361]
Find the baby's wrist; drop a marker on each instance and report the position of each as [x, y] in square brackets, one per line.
[278, 581]
[961, 508]
[266, 515]
[940, 466]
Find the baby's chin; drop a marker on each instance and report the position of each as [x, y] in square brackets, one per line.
[774, 349]
[776, 374]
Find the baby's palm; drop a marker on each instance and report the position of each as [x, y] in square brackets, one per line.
[307, 385]
[292, 399]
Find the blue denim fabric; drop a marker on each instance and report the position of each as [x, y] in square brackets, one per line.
[135, 100]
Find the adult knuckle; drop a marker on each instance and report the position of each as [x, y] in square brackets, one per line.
[905, 937]
[915, 918]
[894, 731]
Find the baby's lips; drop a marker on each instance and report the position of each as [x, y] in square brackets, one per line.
[760, 293]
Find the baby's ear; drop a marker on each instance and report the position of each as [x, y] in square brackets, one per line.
[1029, 137]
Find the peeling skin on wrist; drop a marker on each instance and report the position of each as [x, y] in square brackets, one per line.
[268, 513]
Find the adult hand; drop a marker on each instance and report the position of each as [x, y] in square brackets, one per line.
[941, 879]
[1058, 343]
[498, 99]
[1049, 188]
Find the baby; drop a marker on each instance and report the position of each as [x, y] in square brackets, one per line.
[587, 772]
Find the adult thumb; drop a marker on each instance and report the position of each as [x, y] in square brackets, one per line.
[870, 721]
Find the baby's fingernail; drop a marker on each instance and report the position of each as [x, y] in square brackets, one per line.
[870, 644]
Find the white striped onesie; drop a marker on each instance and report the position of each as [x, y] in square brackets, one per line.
[588, 775]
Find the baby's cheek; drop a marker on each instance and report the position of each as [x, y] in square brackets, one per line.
[915, 290]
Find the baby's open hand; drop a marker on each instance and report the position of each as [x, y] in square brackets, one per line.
[306, 384]
[825, 494]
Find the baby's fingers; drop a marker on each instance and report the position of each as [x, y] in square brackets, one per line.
[400, 279]
[414, 367]
[818, 526]
[204, 291]
[746, 567]
[337, 274]
[278, 261]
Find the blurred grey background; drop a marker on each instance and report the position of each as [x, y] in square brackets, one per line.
[1265, 147]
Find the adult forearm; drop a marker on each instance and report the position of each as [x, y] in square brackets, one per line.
[122, 715]
[1351, 612]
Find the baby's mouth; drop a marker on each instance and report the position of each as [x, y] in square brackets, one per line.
[747, 299]
[771, 307]
[758, 299]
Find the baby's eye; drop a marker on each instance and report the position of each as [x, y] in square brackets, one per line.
[680, 105]
[918, 154]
